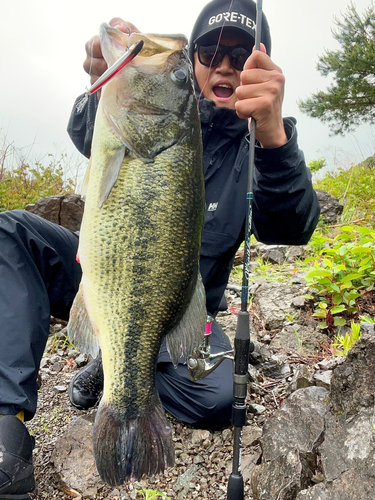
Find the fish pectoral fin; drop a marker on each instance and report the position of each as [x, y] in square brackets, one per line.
[188, 334]
[111, 173]
[85, 182]
[80, 330]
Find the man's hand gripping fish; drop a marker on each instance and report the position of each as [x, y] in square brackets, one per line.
[139, 247]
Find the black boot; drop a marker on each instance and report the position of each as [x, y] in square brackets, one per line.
[16, 464]
[87, 385]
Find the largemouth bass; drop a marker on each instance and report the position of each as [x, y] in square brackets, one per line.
[139, 247]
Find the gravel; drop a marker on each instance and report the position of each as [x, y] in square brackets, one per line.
[203, 456]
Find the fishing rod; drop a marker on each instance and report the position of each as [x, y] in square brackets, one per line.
[201, 363]
[242, 338]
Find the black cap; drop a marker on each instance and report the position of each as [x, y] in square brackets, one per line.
[240, 14]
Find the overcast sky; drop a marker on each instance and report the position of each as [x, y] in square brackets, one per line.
[42, 51]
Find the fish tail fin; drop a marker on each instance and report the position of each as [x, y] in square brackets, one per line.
[130, 448]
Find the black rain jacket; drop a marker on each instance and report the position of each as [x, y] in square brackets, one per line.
[285, 206]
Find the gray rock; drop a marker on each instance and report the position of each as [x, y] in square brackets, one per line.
[275, 302]
[330, 208]
[182, 484]
[352, 485]
[249, 459]
[275, 368]
[59, 389]
[330, 364]
[227, 436]
[251, 435]
[298, 278]
[291, 437]
[295, 252]
[297, 425]
[81, 360]
[73, 456]
[280, 479]
[57, 366]
[64, 210]
[353, 382]
[200, 435]
[275, 254]
[323, 379]
[257, 409]
[299, 302]
[349, 444]
[302, 378]
[301, 338]
[73, 353]
[253, 287]
[328, 436]
[44, 363]
[367, 328]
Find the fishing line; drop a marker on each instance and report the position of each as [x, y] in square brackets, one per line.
[217, 48]
[92, 57]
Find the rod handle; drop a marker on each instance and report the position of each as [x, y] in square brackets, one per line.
[235, 487]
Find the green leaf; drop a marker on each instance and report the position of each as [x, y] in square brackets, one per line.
[318, 273]
[339, 321]
[337, 309]
[350, 277]
[337, 299]
[363, 230]
[320, 314]
[322, 325]
[335, 287]
[360, 250]
[363, 268]
[348, 229]
[340, 267]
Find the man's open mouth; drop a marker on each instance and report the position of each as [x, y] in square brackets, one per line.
[223, 91]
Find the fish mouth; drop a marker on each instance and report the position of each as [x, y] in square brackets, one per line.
[223, 91]
[156, 45]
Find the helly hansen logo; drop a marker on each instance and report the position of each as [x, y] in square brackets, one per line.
[212, 207]
[232, 17]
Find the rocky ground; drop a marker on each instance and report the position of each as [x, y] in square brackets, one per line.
[203, 457]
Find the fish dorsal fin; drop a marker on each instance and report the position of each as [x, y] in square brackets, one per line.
[80, 330]
[188, 334]
[111, 173]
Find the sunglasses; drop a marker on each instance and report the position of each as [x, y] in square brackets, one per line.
[212, 55]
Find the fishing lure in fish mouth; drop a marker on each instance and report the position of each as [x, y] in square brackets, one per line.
[116, 67]
[111, 72]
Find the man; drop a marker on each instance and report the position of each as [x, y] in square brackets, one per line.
[39, 275]
[285, 207]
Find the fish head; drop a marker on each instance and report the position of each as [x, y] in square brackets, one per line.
[149, 104]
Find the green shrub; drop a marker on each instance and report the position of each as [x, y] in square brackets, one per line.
[355, 188]
[316, 165]
[343, 343]
[27, 183]
[343, 268]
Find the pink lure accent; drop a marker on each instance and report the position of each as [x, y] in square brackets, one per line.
[77, 258]
[208, 328]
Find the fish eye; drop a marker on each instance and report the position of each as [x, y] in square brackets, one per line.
[179, 76]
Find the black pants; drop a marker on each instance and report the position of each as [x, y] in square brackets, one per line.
[39, 277]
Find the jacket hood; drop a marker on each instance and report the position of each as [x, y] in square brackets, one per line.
[221, 14]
